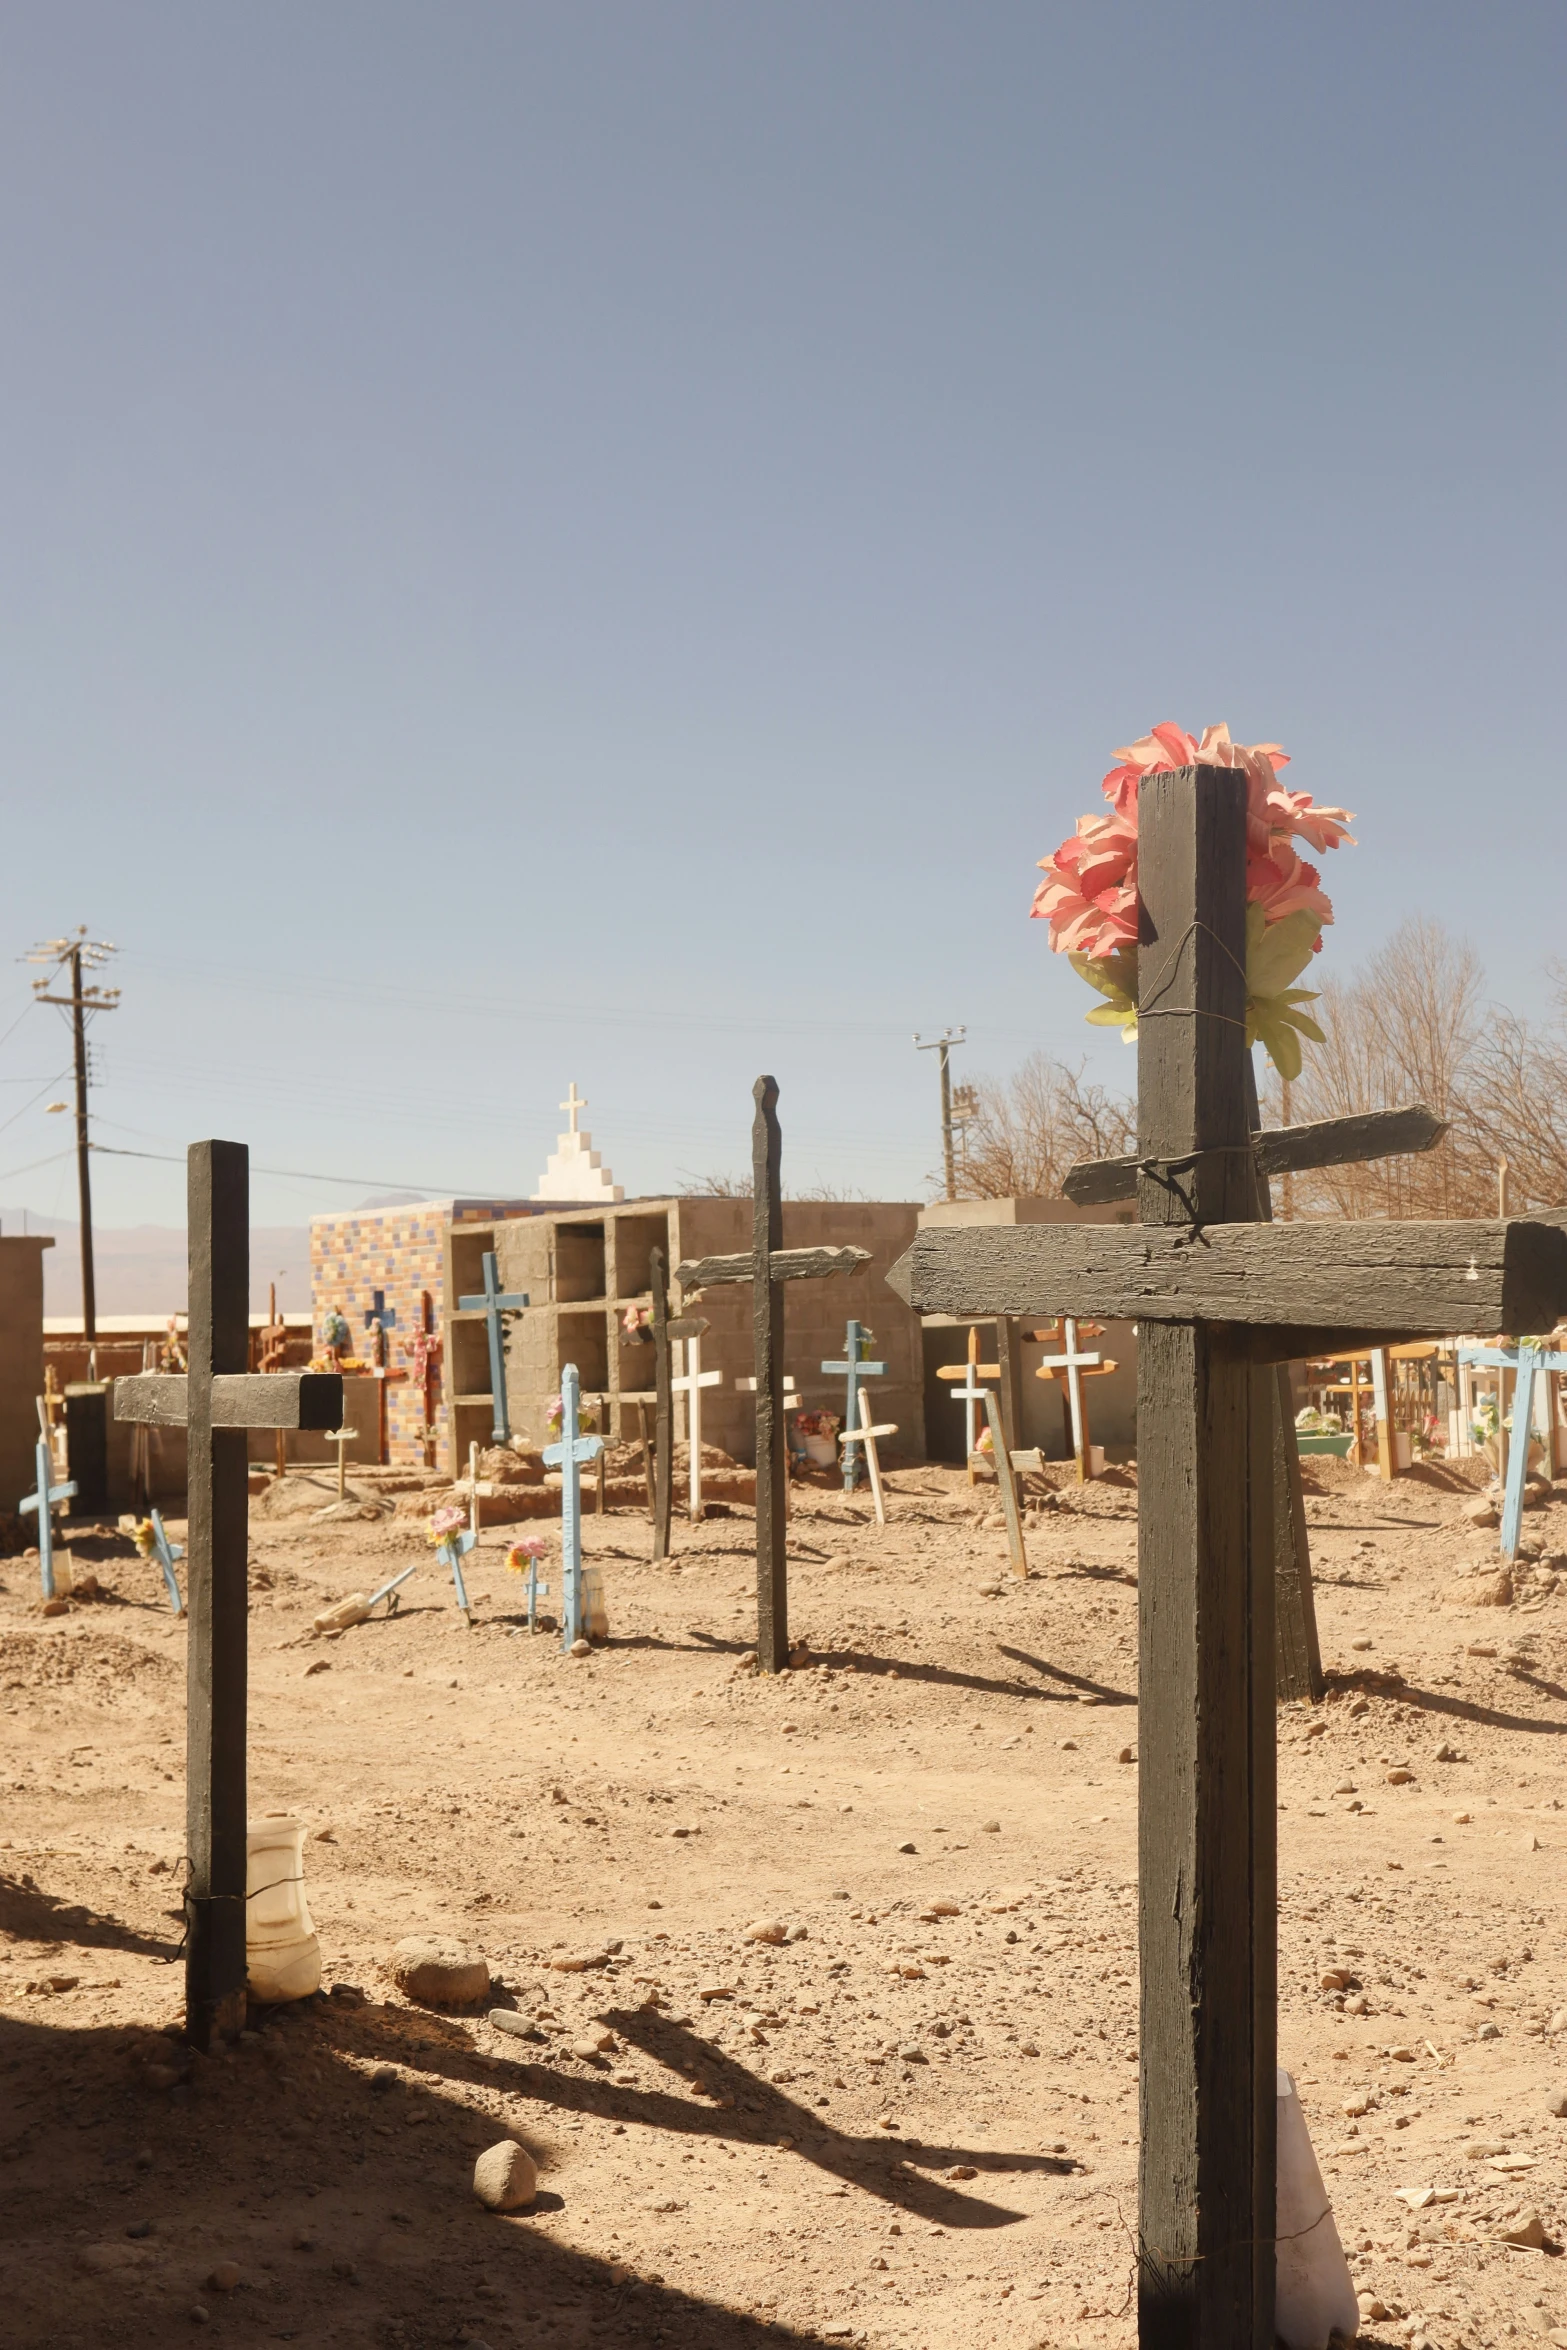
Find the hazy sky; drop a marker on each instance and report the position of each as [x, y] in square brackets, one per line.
[603, 540]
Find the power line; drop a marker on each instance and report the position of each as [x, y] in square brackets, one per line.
[314, 1175]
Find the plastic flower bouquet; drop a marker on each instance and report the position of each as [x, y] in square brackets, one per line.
[1089, 893]
[522, 1554]
[445, 1522]
[586, 1420]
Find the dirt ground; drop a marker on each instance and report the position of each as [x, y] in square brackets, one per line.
[913, 2121]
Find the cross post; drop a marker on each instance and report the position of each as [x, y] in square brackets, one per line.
[866, 1434]
[43, 1501]
[852, 1370]
[167, 1553]
[493, 1304]
[568, 1456]
[1072, 1364]
[217, 1402]
[1528, 1362]
[691, 1386]
[451, 1550]
[1220, 1298]
[767, 1265]
[663, 1408]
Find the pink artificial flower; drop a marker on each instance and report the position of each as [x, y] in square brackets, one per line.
[532, 1546]
[446, 1521]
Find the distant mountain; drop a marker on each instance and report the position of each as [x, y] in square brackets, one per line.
[141, 1268]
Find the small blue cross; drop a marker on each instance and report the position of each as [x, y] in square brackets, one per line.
[451, 1552]
[166, 1552]
[568, 1456]
[494, 1304]
[536, 1592]
[853, 1369]
[43, 1502]
[391, 1591]
[380, 1312]
[1526, 1360]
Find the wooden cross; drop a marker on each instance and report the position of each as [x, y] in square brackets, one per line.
[767, 1265]
[216, 1401]
[536, 1591]
[451, 1550]
[853, 1369]
[43, 1501]
[665, 1331]
[790, 1403]
[1220, 1299]
[494, 1305]
[866, 1435]
[342, 1438]
[426, 1369]
[166, 1553]
[1073, 1365]
[691, 1386]
[971, 1395]
[1529, 1362]
[568, 1456]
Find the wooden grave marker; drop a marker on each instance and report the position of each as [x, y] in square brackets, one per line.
[767, 1265]
[425, 1370]
[43, 1500]
[866, 1435]
[791, 1403]
[665, 1332]
[568, 1456]
[495, 1304]
[1220, 1299]
[690, 1385]
[1528, 1363]
[971, 1395]
[217, 1401]
[1073, 1367]
[855, 1367]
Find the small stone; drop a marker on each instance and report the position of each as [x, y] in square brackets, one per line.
[1482, 1511]
[711, 1991]
[990, 1827]
[765, 1930]
[1399, 1777]
[1525, 2229]
[1333, 1978]
[1489, 2032]
[1491, 1589]
[505, 2177]
[198, 2315]
[1448, 1753]
[439, 1972]
[321, 1665]
[1372, 2307]
[577, 1962]
[304, 2241]
[1480, 1648]
[962, 2170]
[224, 2277]
[1126, 1755]
[906, 1847]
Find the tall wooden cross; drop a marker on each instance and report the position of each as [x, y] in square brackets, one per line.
[1220, 1299]
[767, 1265]
[494, 1304]
[665, 1332]
[217, 1402]
[43, 1500]
[425, 1366]
[568, 1456]
[852, 1370]
[691, 1386]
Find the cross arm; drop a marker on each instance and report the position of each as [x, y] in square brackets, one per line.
[246, 1399]
[1282, 1150]
[785, 1264]
[1497, 1358]
[1412, 1280]
[504, 1302]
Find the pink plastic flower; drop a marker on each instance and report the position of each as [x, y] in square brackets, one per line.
[532, 1546]
[446, 1521]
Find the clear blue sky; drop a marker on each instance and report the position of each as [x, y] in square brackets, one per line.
[602, 541]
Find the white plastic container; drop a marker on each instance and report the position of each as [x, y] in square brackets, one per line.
[282, 1954]
[1315, 2295]
[595, 1614]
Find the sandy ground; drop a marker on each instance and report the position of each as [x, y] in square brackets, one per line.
[896, 2127]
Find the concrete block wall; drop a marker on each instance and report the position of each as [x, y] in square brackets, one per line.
[21, 1361]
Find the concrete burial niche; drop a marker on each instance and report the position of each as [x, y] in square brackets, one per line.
[21, 1360]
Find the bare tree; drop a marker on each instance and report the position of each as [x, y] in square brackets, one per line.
[1025, 1134]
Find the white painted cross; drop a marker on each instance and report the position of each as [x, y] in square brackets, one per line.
[1074, 1363]
[970, 1395]
[691, 1387]
[867, 1434]
[573, 1104]
[342, 1438]
[791, 1400]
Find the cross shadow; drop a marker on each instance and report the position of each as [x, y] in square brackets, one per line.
[1458, 1709]
[744, 2110]
[31, 1914]
[856, 1662]
[1098, 1574]
[1073, 1681]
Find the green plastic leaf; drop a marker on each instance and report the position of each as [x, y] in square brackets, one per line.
[1277, 952]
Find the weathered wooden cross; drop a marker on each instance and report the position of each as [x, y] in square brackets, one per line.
[43, 1501]
[568, 1456]
[665, 1332]
[495, 1303]
[865, 1435]
[1529, 1362]
[1220, 1299]
[854, 1367]
[767, 1265]
[970, 1395]
[216, 1401]
[342, 1438]
[691, 1386]
[1072, 1365]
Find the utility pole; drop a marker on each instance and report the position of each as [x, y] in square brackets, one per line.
[78, 956]
[943, 1045]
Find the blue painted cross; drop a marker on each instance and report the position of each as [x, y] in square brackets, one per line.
[494, 1303]
[853, 1369]
[568, 1456]
[43, 1502]
[166, 1552]
[391, 1591]
[380, 1312]
[451, 1550]
[1527, 1361]
[536, 1592]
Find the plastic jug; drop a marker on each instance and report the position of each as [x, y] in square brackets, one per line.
[282, 1955]
[1315, 2297]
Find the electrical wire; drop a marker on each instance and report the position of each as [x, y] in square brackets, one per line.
[312, 1175]
[52, 1160]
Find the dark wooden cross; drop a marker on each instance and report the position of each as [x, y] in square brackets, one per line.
[1219, 1299]
[217, 1402]
[767, 1265]
[1285, 1150]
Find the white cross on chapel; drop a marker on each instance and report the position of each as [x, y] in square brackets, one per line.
[573, 1103]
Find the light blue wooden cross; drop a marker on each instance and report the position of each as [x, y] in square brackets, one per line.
[1527, 1361]
[568, 1456]
[853, 1369]
[495, 1303]
[391, 1591]
[536, 1592]
[166, 1552]
[43, 1502]
[451, 1550]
